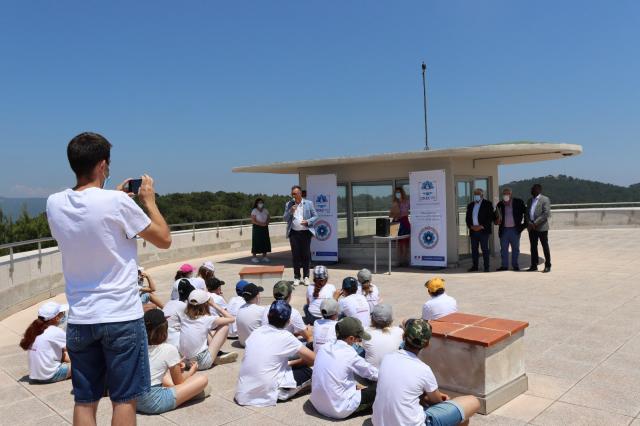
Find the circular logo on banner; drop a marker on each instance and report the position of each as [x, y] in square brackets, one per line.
[428, 237]
[323, 230]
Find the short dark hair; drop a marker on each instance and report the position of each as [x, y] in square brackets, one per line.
[296, 187]
[158, 335]
[85, 151]
[537, 186]
[437, 293]
[255, 203]
[277, 322]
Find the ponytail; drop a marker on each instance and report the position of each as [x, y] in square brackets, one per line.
[366, 288]
[317, 287]
[36, 328]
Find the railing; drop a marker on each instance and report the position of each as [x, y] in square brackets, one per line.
[593, 205]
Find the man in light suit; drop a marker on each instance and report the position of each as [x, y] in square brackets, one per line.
[538, 213]
[300, 215]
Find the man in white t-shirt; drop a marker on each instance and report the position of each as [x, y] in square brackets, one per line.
[440, 304]
[96, 233]
[324, 330]
[384, 337]
[267, 375]
[353, 304]
[282, 290]
[404, 399]
[249, 315]
[334, 391]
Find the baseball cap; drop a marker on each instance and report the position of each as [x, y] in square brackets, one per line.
[198, 297]
[213, 283]
[434, 284]
[382, 313]
[320, 272]
[240, 286]
[250, 291]
[186, 268]
[209, 265]
[329, 307]
[417, 332]
[280, 311]
[350, 284]
[364, 275]
[51, 310]
[350, 326]
[184, 289]
[282, 289]
[153, 318]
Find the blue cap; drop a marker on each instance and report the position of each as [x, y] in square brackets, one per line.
[279, 310]
[350, 284]
[240, 286]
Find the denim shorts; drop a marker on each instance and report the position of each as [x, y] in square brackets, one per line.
[447, 413]
[204, 360]
[60, 374]
[109, 357]
[157, 400]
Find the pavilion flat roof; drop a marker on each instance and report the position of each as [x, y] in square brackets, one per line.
[503, 153]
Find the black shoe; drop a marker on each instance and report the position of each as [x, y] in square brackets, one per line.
[473, 269]
[532, 269]
[516, 268]
[502, 268]
[547, 269]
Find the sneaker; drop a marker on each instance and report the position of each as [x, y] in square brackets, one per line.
[255, 259]
[287, 393]
[307, 282]
[225, 357]
[266, 259]
[296, 282]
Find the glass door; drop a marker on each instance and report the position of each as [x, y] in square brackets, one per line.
[464, 195]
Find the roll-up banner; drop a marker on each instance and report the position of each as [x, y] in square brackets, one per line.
[428, 218]
[322, 190]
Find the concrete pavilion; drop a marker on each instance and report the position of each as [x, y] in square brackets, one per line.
[366, 183]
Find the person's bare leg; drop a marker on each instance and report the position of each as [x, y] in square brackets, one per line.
[85, 414]
[190, 388]
[217, 340]
[470, 405]
[124, 413]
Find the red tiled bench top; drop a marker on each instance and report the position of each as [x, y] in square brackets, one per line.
[257, 270]
[475, 329]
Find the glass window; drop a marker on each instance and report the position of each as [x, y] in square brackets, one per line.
[343, 231]
[370, 200]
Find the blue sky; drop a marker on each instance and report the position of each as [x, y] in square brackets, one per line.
[187, 90]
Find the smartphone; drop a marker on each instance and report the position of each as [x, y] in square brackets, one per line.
[133, 186]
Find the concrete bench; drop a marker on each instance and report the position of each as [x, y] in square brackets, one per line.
[263, 276]
[480, 356]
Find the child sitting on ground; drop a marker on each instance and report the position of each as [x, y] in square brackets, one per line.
[267, 375]
[197, 343]
[46, 343]
[324, 330]
[234, 306]
[205, 271]
[185, 271]
[334, 391]
[368, 289]
[170, 387]
[316, 293]
[353, 304]
[282, 290]
[173, 307]
[147, 292]
[384, 338]
[214, 287]
[440, 304]
[250, 314]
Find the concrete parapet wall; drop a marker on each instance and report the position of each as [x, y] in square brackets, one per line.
[595, 218]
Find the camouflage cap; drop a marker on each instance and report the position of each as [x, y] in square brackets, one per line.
[282, 289]
[417, 332]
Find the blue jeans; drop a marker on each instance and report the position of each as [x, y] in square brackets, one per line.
[61, 374]
[157, 401]
[109, 356]
[510, 237]
[447, 413]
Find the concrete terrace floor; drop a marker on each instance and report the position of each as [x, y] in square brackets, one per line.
[582, 346]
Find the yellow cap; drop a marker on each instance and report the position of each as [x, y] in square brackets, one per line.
[434, 284]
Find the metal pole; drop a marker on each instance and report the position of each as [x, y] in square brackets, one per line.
[424, 96]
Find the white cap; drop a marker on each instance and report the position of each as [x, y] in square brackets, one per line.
[51, 310]
[209, 265]
[198, 297]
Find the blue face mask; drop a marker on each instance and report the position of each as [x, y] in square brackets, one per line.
[477, 198]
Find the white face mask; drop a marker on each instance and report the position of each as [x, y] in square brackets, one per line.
[398, 195]
[506, 198]
[260, 206]
[477, 198]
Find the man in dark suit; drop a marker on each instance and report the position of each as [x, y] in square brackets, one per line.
[538, 213]
[480, 217]
[511, 222]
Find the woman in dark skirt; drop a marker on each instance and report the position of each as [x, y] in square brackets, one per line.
[260, 242]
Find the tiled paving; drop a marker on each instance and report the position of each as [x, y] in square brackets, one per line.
[582, 343]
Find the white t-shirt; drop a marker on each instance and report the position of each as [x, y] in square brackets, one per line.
[373, 298]
[333, 385]
[193, 333]
[197, 283]
[161, 358]
[356, 306]
[45, 354]
[171, 310]
[439, 306]
[398, 393]
[95, 230]
[248, 319]
[298, 217]
[314, 303]
[296, 324]
[233, 307]
[324, 332]
[265, 366]
[261, 216]
[381, 343]
[218, 300]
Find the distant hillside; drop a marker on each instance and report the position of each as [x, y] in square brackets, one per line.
[12, 207]
[567, 190]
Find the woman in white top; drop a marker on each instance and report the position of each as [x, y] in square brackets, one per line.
[260, 240]
[170, 387]
[46, 343]
[316, 293]
[368, 289]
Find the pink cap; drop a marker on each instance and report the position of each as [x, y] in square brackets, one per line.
[186, 268]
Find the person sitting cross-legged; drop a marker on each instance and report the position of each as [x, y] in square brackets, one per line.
[267, 373]
[353, 304]
[384, 337]
[249, 316]
[407, 391]
[324, 330]
[282, 290]
[440, 304]
[334, 391]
